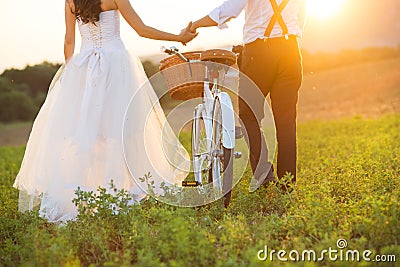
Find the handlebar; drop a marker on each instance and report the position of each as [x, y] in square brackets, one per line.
[174, 51]
[237, 49]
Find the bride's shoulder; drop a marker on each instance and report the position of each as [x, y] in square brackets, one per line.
[70, 3]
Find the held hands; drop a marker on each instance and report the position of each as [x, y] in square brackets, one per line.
[193, 28]
[187, 34]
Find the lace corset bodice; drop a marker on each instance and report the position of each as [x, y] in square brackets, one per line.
[105, 34]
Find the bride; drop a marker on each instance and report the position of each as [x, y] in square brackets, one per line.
[77, 139]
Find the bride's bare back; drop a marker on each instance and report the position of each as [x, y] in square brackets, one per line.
[105, 5]
[108, 5]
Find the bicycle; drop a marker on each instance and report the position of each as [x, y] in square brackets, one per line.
[213, 131]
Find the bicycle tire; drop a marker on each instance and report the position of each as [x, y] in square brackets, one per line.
[226, 160]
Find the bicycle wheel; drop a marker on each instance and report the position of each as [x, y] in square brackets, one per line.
[222, 157]
[201, 146]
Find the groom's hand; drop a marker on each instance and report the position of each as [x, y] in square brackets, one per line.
[193, 27]
[187, 34]
[189, 28]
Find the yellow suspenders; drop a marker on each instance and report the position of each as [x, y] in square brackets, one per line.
[277, 17]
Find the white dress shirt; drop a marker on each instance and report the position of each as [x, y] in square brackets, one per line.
[258, 13]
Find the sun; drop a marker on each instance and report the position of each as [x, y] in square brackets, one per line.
[323, 8]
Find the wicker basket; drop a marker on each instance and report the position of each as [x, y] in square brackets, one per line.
[220, 56]
[183, 81]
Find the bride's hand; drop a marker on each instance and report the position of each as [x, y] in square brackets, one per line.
[187, 35]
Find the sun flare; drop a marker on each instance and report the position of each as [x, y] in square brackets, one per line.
[323, 8]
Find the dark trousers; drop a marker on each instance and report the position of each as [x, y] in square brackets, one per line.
[275, 66]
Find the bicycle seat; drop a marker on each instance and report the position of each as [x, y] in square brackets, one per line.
[219, 56]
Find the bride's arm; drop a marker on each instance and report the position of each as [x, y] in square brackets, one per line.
[69, 41]
[143, 30]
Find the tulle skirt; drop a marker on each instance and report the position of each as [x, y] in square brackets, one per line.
[85, 136]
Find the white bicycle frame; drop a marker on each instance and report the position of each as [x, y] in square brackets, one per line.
[205, 110]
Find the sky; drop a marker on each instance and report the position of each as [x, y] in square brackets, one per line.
[33, 31]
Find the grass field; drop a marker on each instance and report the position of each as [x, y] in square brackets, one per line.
[348, 188]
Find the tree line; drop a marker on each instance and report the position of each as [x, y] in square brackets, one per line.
[23, 91]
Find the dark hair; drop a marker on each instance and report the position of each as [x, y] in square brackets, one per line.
[87, 10]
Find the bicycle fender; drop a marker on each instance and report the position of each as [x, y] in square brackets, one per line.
[228, 121]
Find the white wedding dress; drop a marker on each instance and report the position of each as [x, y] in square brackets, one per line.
[78, 139]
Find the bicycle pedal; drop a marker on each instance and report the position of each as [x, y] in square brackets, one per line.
[237, 155]
[238, 132]
[190, 183]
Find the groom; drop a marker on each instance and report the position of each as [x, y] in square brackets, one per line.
[271, 58]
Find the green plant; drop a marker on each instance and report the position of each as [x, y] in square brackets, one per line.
[347, 187]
